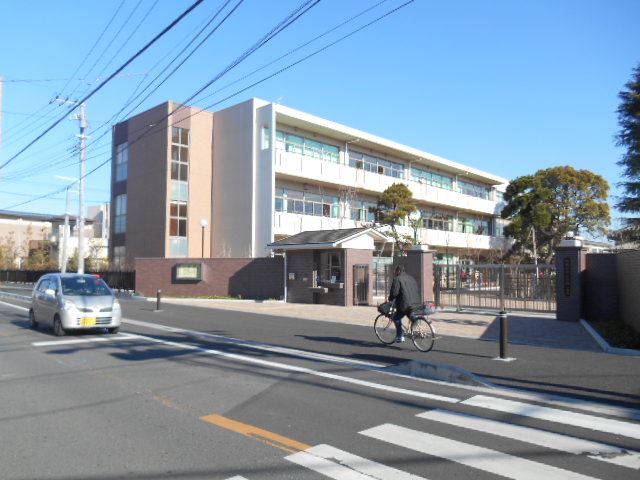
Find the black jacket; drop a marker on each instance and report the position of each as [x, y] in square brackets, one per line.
[404, 290]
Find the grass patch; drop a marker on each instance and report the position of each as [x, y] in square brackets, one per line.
[617, 334]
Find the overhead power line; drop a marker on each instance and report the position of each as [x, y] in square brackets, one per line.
[107, 80]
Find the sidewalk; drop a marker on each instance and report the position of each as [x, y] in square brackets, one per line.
[524, 328]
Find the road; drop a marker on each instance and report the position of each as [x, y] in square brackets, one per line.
[188, 393]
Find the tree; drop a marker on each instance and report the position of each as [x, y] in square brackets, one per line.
[394, 205]
[551, 203]
[629, 138]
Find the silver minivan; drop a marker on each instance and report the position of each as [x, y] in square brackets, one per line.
[72, 301]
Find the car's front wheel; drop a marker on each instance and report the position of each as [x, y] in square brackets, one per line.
[32, 319]
[113, 330]
[58, 330]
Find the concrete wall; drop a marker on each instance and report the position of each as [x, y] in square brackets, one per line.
[600, 296]
[233, 182]
[264, 203]
[259, 278]
[628, 276]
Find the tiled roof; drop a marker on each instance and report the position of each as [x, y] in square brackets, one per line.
[318, 237]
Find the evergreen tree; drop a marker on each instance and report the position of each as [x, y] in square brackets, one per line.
[394, 205]
[629, 138]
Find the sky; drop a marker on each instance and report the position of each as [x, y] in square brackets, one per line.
[505, 86]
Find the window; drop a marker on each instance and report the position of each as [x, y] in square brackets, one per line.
[433, 179]
[177, 219]
[473, 189]
[363, 211]
[477, 226]
[330, 267]
[306, 203]
[122, 161]
[120, 224]
[377, 165]
[119, 257]
[307, 147]
[266, 138]
[180, 154]
[436, 220]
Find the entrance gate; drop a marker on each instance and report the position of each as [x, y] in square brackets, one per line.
[496, 287]
[361, 284]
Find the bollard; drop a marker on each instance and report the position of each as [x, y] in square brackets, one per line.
[504, 333]
[158, 299]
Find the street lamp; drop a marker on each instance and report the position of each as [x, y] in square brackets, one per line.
[414, 218]
[203, 224]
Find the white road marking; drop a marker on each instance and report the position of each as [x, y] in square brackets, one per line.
[237, 477]
[72, 341]
[350, 462]
[308, 371]
[556, 441]
[590, 422]
[481, 458]
[325, 467]
[24, 309]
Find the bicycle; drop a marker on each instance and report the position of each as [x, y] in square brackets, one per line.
[420, 330]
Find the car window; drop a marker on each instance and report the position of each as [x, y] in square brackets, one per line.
[84, 286]
[43, 285]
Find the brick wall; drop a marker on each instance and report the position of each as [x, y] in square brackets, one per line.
[628, 276]
[257, 278]
[357, 257]
[301, 265]
[600, 295]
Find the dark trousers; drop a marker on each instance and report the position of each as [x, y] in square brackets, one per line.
[397, 319]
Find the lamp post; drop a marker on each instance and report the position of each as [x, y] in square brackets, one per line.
[203, 224]
[414, 218]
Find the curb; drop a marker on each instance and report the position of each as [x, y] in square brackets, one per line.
[629, 352]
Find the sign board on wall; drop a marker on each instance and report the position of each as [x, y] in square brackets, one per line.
[189, 271]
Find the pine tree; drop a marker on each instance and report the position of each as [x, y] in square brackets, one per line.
[629, 138]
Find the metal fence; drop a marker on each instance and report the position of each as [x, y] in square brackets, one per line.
[381, 271]
[117, 280]
[496, 287]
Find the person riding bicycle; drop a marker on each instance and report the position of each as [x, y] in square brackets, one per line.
[404, 291]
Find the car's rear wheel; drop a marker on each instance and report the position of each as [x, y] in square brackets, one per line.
[32, 319]
[58, 330]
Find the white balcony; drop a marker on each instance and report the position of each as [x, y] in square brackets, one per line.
[440, 239]
[313, 169]
[292, 223]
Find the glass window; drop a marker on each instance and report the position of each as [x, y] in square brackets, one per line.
[307, 147]
[178, 247]
[431, 178]
[436, 220]
[179, 191]
[177, 219]
[119, 257]
[85, 286]
[122, 161]
[331, 267]
[473, 189]
[377, 165]
[477, 226]
[307, 203]
[266, 138]
[120, 213]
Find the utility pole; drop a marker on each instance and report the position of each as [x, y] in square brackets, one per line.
[81, 116]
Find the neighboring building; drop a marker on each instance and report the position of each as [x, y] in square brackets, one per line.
[228, 183]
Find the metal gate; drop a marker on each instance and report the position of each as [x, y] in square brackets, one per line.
[361, 284]
[496, 287]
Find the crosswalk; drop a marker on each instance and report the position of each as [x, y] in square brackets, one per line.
[423, 446]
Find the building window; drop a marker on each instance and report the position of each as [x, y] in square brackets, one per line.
[306, 203]
[178, 219]
[266, 138]
[369, 163]
[122, 161]
[307, 147]
[362, 211]
[433, 179]
[477, 226]
[330, 267]
[120, 225]
[436, 220]
[119, 257]
[473, 189]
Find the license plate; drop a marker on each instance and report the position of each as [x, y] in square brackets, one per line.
[88, 321]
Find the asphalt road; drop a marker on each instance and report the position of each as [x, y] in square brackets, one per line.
[189, 393]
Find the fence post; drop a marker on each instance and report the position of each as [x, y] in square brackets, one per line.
[458, 284]
[504, 334]
[502, 287]
[159, 292]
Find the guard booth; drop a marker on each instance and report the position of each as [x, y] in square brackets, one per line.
[330, 267]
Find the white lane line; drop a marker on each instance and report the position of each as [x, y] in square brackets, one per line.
[237, 477]
[481, 458]
[359, 464]
[308, 371]
[590, 422]
[72, 341]
[325, 467]
[556, 441]
[24, 309]
[256, 345]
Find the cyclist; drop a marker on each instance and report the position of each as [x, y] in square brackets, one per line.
[404, 291]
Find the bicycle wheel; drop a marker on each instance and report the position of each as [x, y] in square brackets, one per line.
[385, 329]
[422, 334]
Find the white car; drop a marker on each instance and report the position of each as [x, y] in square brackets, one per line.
[72, 301]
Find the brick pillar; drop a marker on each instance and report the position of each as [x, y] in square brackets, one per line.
[419, 264]
[570, 265]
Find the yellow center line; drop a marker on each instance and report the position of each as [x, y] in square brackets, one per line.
[270, 438]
